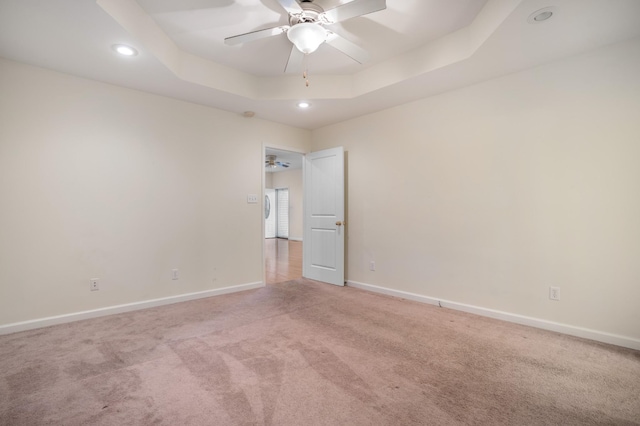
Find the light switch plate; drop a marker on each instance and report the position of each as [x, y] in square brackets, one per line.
[252, 199]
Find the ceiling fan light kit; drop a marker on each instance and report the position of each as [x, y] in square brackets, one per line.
[307, 36]
[306, 29]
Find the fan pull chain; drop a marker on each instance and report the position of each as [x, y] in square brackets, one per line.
[305, 73]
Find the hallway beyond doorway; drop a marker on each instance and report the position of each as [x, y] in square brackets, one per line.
[283, 260]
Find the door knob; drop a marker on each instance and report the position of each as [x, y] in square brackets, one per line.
[338, 223]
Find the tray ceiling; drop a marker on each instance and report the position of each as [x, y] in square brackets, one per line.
[419, 48]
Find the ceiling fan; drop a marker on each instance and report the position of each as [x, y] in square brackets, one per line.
[271, 162]
[307, 28]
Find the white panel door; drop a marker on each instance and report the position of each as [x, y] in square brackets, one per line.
[323, 247]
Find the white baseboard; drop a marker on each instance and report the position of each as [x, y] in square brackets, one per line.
[295, 238]
[110, 310]
[614, 339]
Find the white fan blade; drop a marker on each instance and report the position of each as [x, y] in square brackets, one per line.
[353, 9]
[291, 6]
[255, 35]
[350, 49]
[294, 63]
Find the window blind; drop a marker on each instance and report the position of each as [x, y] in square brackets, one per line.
[282, 196]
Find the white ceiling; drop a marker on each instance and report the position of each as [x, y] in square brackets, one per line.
[418, 47]
[200, 26]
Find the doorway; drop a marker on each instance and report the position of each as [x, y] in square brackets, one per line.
[283, 232]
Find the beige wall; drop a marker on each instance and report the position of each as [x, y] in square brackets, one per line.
[490, 194]
[292, 179]
[102, 181]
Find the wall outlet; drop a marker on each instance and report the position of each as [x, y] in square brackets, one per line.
[93, 284]
[554, 293]
[174, 274]
[372, 265]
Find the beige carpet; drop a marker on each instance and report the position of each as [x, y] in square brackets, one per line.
[304, 353]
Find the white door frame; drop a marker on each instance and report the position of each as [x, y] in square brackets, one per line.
[264, 183]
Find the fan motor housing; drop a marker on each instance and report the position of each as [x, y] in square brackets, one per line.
[310, 13]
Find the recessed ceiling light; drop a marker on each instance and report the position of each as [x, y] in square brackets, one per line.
[541, 15]
[304, 104]
[125, 50]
